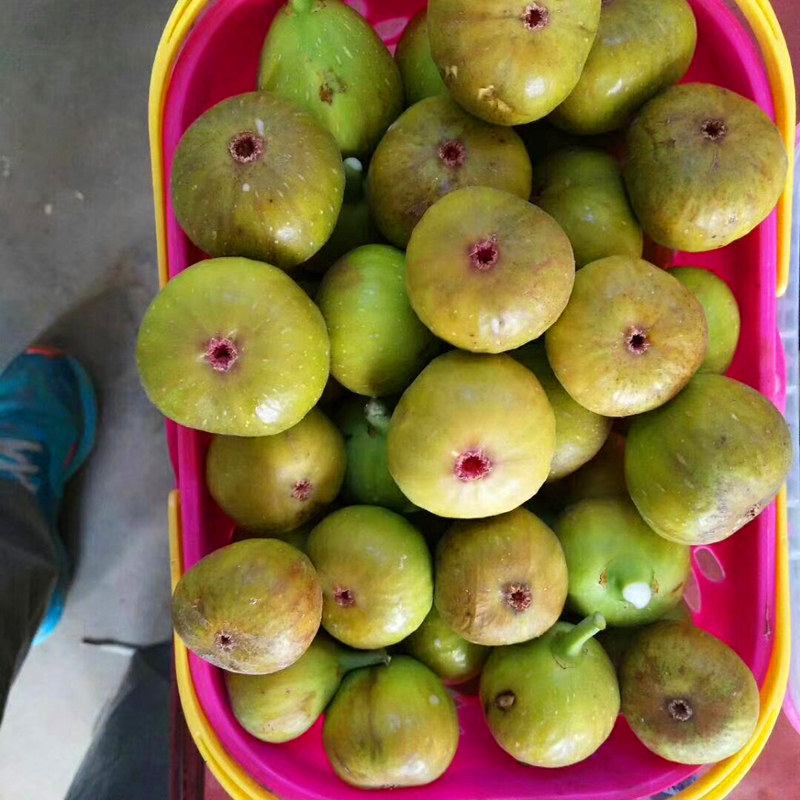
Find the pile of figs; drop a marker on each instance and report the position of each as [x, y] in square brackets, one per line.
[465, 434]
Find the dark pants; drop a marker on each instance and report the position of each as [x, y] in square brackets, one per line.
[129, 757]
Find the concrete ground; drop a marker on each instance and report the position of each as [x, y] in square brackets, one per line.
[77, 251]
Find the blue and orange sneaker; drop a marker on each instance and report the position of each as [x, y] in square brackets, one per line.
[48, 420]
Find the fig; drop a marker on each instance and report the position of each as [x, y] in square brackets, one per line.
[376, 575]
[580, 433]
[284, 705]
[450, 656]
[325, 57]
[553, 701]
[354, 226]
[233, 346]
[233, 194]
[603, 476]
[296, 538]
[391, 726]
[434, 148]
[641, 48]
[722, 315]
[617, 565]
[647, 337]
[252, 607]
[704, 167]
[277, 483]
[708, 462]
[378, 346]
[545, 45]
[686, 695]
[488, 271]
[582, 189]
[365, 426]
[421, 79]
[500, 580]
[473, 436]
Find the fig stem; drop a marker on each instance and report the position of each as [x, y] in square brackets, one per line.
[377, 415]
[567, 647]
[301, 6]
[355, 659]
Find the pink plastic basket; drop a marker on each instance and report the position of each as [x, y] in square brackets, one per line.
[733, 594]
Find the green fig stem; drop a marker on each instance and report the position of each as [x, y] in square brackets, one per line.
[567, 647]
[377, 415]
[301, 6]
[355, 659]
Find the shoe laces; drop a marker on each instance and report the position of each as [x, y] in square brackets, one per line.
[15, 460]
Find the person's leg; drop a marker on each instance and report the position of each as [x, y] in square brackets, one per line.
[47, 426]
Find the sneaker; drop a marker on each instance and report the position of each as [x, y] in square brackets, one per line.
[48, 419]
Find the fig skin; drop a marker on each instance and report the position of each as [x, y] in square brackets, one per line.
[641, 48]
[186, 342]
[552, 701]
[376, 573]
[672, 671]
[450, 656]
[473, 436]
[274, 484]
[545, 46]
[326, 58]
[704, 167]
[580, 433]
[284, 705]
[500, 580]
[582, 189]
[365, 426]
[647, 338]
[378, 346]
[421, 79]
[722, 315]
[708, 462]
[247, 203]
[391, 726]
[252, 607]
[617, 565]
[487, 271]
[434, 148]
[603, 476]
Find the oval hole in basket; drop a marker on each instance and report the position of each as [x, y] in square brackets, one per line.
[708, 564]
[391, 28]
[691, 595]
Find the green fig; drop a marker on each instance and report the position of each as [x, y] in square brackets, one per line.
[504, 270]
[722, 315]
[603, 476]
[580, 433]
[252, 607]
[646, 339]
[365, 426]
[376, 575]
[544, 48]
[617, 565]
[421, 79]
[582, 190]
[297, 538]
[704, 167]
[641, 48]
[284, 705]
[450, 656]
[686, 695]
[354, 227]
[378, 346]
[708, 462]
[433, 149]
[391, 726]
[473, 436]
[277, 483]
[500, 580]
[552, 701]
[232, 193]
[233, 346]
[326, 58]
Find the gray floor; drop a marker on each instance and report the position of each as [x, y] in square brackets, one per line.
[77, 252]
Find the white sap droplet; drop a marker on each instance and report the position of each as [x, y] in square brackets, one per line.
[245, 187]
[637, 594]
